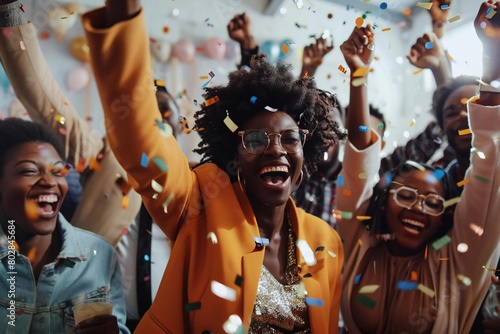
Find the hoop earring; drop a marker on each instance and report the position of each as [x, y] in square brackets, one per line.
[300, 182]
[244, 185]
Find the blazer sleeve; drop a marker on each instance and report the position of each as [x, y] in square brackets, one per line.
[40, 94]
[157, 168]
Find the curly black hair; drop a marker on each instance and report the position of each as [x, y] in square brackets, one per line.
[443, 92]
[15, 132]
[249, 92]
[378, 202]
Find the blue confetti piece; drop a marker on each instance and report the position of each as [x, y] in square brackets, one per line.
[407, 285]
[162, 165]
[106, 196]
[488, 11]
[429, 45]
[357, 278]
[446, 6]
[314, 302]
[144, 160]
[363, 128]
[146, 257]
[253, 99]
[383, 5]
[438, 174]
[261, 241]
[211, 74]
[340, 180]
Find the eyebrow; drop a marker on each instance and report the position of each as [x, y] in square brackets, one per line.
[35, 163]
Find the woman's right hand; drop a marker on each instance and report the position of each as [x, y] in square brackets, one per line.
[427, 52]
[358, 49]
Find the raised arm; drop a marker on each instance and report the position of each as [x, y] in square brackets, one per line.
[37, 89]
[439, 12]
[120, 56]
[427, 52]
[239, 30]
[313, 54]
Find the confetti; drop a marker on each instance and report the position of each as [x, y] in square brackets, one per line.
[479, 153]
[156, 186]
[165, 129]
[414, 275]
[124, 231]
[441, 242]
[261, 242]
[62, 131]
[166, 29]
[464, 279]
[424, 5]
[481, 178]
[429, 45]
[340, 180]
[253, 99]
[94, 164]
[426, 290]
[167, 202]
[445, 6]
[462, 247]
[125, 202]
[346, 192]
[342, 69]
[299, 3]
[362, 175]
[230, 124]
[438, 174]
[232, 325]
[306, 252]
[464, 132]
[212, 100]
[476, 229]
[212, 237]
[366, 301]
[386, 29]
[162, 165]
[44, 35]
[346, 215]
[463, 182]
[406, 12]
[451, 202]
[359, 22]
[144, 160]
[454, 18]
[407, 285]
[413, 121]
[361, 72]
[22, 46]
[369, 288]
[332, 254]
[285, 48]
[192, 307]
[490, 13]
[222, 291]
[356, 82]
[361, 218]
[239, 280]
[60, 119]
[363, 128]
[314, 302]
[383, 5]
[357, 278]
[268, 108]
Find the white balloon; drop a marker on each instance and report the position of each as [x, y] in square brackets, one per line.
[78, 78]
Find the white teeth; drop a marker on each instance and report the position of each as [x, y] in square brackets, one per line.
[274, 169]
[46, 198]
[414, 223]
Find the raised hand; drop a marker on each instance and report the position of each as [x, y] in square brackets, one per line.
[313, 55]
[239, 30]
[358, 49]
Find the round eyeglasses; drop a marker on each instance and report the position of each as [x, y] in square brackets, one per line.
[406, 197]
[257, 141]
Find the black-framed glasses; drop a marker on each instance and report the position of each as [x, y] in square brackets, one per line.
[257, 141]
[407, 197]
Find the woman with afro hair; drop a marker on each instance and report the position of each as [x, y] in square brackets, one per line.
[243, 257]
[416, 261]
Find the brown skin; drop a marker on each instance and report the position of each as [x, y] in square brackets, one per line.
[439, 16]
[33, 169]
[269, 203]
[313, 55]
[239, 30]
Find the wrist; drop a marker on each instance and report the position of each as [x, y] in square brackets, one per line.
[248, 43]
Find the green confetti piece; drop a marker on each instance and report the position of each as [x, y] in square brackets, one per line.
[346, 215]
[482, 179]
[366, 301]
[441, 242]
[192, 307]
[426, 290]
[451, 202]
[319, 249]
[162, 165]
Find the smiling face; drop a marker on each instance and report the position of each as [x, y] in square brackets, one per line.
[270, 175]
[412, 227]
[32, 189]
[455, 118]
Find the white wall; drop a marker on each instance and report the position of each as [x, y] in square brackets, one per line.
[393, 87]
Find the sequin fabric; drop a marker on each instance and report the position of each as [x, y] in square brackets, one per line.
[279, 308]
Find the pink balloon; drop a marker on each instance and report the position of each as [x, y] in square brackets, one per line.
[185, 50]
[215, 48]
[78, 78]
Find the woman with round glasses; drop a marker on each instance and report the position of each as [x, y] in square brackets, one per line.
[243, 257]
[414, 264]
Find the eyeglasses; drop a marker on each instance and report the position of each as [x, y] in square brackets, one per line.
[257, 141]
[406, 197]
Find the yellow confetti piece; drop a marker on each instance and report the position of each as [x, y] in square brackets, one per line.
[361, 218]
[464, 132]
[454, 18]
[204, 77]
[369, 288]
[94, 164]
[362, 175]
[356, 82]
[167, 202]
[413, 121]
[230, 124]
[473, 99]
[490, 269]
[464, 279]
[425, 5]
[212, 237]
[426, 290]
[342, 69]
[386, 29]
[476, 229]
[125, 202]
[463, 182]
[420, 70]
[360, 242]
[60, 119]
[156, 186]
[360, 72]
[451, 202]
[491, 14]
[285, 48]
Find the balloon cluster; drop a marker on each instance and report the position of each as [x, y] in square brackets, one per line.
[185, 50]
[278, 51]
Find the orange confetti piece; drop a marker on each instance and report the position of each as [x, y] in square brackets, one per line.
[212, 100]
[65, 170]
[166, 29]
[406, 12]
[363, 218]
[420, 70]
[463, 182]
[346, 192]
[52, 110]
[285, 48]
[32, 210]
[80, 166]
[414, 276]
[44, 35]
[94, 164]
[125, 202]
[342, 69]
[359, 22]
[464, 132]
[464, 100]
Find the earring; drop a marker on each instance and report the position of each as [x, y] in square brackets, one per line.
[242, 186]
[300, 182]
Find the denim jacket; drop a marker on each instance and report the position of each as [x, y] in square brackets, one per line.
[86, 268]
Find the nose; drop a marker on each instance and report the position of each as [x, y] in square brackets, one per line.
[47, 180]
[275, 144]
[419, 203]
